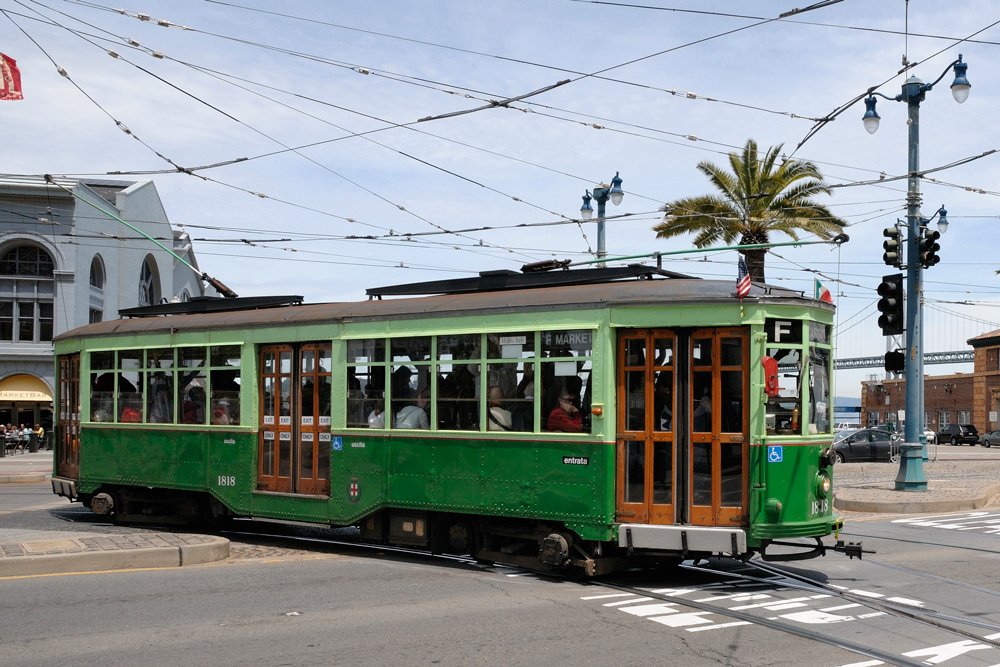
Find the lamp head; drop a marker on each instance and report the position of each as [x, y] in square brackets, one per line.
[942, 223]
[586, 211]
[871, 117]
[960, 86]
[616, 190]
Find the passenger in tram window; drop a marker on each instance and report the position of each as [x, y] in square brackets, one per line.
[498, 419]
[376, 418]
[414, 416]
[220, 413]
[565, 416]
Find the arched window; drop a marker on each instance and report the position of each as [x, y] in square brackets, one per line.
[26, 303]
[149, 283]
[97, 273]
[26, 260]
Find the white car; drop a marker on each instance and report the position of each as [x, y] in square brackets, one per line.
[931, 436]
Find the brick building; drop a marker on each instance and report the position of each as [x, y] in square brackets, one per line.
[986, 397]
[962, 398]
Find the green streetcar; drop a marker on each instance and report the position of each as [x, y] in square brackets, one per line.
[546, 419]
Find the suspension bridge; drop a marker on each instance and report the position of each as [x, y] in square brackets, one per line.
[860, 343]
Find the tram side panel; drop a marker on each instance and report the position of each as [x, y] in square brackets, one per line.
[530, 479]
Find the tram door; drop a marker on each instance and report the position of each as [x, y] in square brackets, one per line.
[68, 443]
[294, 439]
[646, 442]
[683, 425]
[719, 426]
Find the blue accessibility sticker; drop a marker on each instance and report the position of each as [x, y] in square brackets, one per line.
[338, 444]
[775, 453]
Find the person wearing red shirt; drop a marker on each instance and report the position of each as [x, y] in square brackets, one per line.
[565, 417]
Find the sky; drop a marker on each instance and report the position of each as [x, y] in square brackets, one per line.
[329, 181]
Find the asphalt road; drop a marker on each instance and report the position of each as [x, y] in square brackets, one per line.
[289, 601]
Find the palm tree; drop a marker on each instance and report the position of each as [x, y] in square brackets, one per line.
[757, 198]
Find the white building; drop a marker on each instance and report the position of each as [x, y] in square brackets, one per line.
[66, 262]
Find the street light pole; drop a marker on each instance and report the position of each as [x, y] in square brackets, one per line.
[602, 193]
[911, 470]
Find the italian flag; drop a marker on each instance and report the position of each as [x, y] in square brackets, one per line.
[822, 293]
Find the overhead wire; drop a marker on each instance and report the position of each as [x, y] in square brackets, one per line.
[265, 135]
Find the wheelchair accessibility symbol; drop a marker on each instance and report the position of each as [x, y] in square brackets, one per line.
[774, 454]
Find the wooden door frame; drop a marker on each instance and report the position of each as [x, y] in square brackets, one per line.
[716, 514]
[647, 511]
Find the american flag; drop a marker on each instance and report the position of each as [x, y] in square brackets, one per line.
[743, 280]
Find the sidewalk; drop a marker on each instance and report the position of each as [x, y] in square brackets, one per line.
[952, 486]
[28, 552]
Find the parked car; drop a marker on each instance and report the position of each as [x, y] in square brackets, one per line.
[958, 433]
[867, 444]
[845, 426]
[931, 436]
[990, 439]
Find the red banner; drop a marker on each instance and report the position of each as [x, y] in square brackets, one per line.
[10, 87]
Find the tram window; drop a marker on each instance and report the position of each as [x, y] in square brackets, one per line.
[461, 347]
[819, 333]
[701, 401]
[519, 345]
[410, 397]
[565, 396]
[225, 355]
[565, 372]
[225, 400]
[366, 383]
[417, 348]
[783, 410]
[819, 391]
[510, 397]
[102, 361]
[102, 395]
[635, 407]
[160, 409]
[191, 357]
[325, 362]
[193, 397]
[458, 397]
[663, 401]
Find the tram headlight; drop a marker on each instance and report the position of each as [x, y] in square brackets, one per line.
[773, 509]
[823, 485]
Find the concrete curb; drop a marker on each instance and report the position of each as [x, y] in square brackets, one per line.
[23, 477]
[102, 561]
[917, 506]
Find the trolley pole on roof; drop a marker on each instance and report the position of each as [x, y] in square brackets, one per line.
[602, 192]
[918, 253]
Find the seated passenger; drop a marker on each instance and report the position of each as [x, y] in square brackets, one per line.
[376, 418]
[498, 418]
[220, 414]
[414, 416]
[565, 417]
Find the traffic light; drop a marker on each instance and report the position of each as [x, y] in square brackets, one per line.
[891, 305]
[895, 362]
[927, 247]
[893, 250]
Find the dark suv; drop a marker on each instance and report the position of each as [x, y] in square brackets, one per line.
[958, 433]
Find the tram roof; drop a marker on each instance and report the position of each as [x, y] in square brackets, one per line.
[630, 293]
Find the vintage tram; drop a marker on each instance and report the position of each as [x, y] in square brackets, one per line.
[572, 418]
